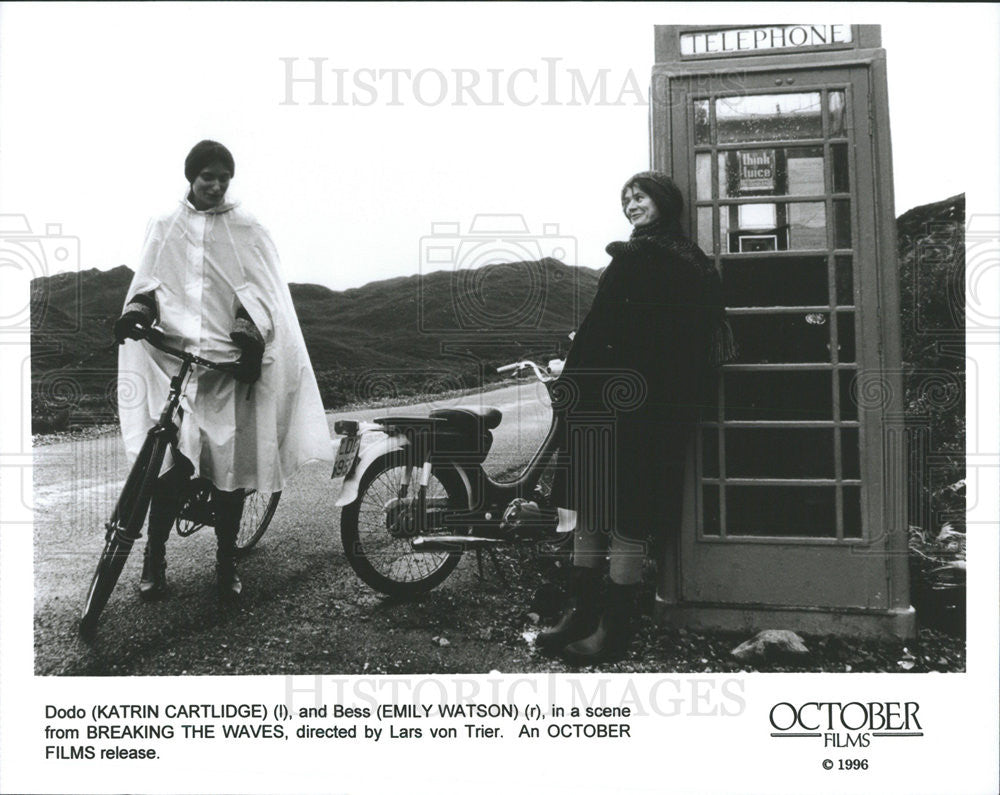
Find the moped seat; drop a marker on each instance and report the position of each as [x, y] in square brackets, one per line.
[407, 420]
[488, 416]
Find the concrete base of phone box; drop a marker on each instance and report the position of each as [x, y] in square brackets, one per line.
[846, 622]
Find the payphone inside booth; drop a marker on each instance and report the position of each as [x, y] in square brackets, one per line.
[795, 501]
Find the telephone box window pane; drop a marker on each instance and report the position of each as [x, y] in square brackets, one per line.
[808, 511]
[848, 396]
[842, 223]
[705, 230]
[852, 511]
[841, 170]
[726, 176]
[849, 455]
[837, 121]
[845, 336]
[754, 228]
[710, 453]
[779, 453]
[807, 225]
[845, 280]
[788, 395]
[782, 338]
[799, 281]
[805, 170]
[703, 176]
[791, 171]
[710, 510]
[702, 130]
[769, 117]
[757, 216]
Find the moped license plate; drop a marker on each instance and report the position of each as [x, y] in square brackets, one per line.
[346, 456]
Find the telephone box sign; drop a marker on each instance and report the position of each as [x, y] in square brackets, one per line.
[771, 37]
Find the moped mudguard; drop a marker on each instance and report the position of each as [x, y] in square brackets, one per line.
[368, 456]
[372, 453]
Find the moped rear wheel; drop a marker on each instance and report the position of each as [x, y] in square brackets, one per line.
[258, 510]
[380, 554]
[128, 516]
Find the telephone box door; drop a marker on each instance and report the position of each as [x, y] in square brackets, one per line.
[787, 505]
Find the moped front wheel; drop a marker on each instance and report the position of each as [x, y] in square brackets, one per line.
[126, 523]
[377, 528]
[258, 510]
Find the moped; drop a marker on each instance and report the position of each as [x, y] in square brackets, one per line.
[417, 496]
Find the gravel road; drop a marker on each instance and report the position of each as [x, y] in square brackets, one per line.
[303, 609]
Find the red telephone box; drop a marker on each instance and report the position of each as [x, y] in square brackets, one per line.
[795, 502]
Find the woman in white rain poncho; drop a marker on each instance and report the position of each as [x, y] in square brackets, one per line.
[209, 275]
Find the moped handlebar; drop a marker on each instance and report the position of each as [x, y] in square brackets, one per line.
[542, 375]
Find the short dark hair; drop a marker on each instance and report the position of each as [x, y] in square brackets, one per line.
[661, 189]
[204, 153]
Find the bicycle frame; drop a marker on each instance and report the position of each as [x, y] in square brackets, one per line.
[165, 428]
[124, 527]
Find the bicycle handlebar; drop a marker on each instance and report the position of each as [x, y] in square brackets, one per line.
[155, 337]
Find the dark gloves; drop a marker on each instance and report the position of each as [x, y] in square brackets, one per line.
[247, 369]
[251, 344]
[141, 311]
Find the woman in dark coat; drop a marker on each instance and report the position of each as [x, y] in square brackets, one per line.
[631, 391]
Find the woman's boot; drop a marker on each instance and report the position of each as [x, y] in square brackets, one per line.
[153, 582]
[228, 511]
[162, 510]
[614, 630]
[581, 614]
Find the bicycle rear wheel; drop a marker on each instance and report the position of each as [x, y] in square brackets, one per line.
[122, 535]
[258, 510]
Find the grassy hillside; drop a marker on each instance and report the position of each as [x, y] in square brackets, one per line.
[401, 336]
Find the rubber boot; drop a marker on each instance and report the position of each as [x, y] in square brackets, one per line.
[614, 630]
[228, 510]
[581, 614]
[153, 582]
[163, 509]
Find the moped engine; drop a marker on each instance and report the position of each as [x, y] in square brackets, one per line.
[524, 517]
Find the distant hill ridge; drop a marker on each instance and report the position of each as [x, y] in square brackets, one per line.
[401, 336]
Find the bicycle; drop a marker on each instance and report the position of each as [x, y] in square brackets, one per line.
[124, 527]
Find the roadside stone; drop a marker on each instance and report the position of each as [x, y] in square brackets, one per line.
[771, 645]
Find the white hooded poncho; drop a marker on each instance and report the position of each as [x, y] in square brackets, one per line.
[202, 265]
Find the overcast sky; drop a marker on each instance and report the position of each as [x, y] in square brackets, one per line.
[100, 104]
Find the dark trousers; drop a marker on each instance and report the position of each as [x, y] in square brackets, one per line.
[168, 498]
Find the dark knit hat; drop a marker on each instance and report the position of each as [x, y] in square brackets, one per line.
[204, 153]
[661, 189]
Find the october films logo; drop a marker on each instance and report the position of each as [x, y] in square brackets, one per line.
[846, 724]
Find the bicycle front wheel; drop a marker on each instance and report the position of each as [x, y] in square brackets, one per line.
[126, 526]
[258, 510]
[109, 569]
